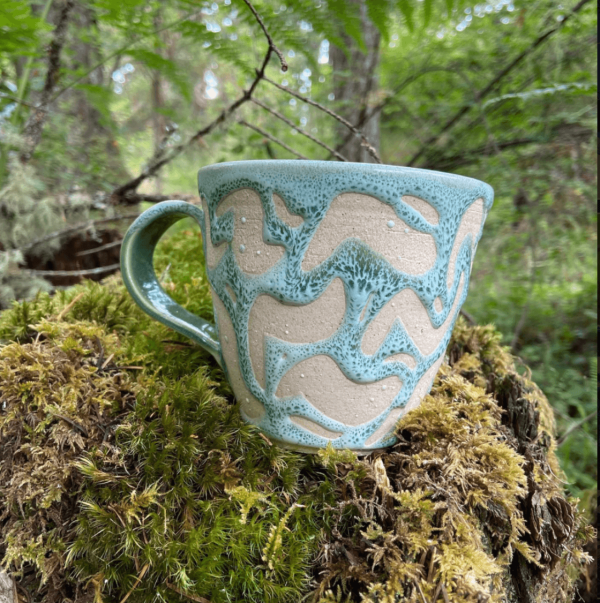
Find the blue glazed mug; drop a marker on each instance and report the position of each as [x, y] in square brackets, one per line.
[335, 289]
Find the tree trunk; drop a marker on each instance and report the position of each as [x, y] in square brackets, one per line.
[158, 119]
[355, 79]
[94, 132]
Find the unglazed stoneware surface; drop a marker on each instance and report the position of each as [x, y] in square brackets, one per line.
[335, 288]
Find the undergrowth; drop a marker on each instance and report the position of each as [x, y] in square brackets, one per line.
[128, 472]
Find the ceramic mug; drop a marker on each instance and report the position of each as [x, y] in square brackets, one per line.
[335, 289]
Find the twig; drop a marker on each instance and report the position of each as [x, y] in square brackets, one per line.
[123, 193]
[17, 100]
[76, 228]
[32, 132]
[271, 137]
[265, 438]
[72, 272]
[300, 130]
[468, 317]
[331, 113]
[77, 426]
[368, 115]
[420, 591]
[68, 307]
[196, 598]
[445, 593]
[284, 65]
[101, 248]
[137, 581]
[493, 83]
[575, 426]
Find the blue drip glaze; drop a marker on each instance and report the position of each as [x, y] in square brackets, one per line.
[308, 188]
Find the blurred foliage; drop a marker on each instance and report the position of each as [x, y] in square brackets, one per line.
[531, 137]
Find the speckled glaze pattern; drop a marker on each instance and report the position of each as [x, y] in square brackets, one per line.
[369, 279]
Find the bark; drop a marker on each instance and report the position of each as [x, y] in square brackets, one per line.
[355, 79]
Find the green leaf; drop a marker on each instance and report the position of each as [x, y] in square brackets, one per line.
[164, 66]
[407, 9]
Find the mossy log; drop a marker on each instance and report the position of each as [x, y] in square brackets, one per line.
[126, 472]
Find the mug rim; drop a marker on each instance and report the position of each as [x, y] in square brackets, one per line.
[466, 183]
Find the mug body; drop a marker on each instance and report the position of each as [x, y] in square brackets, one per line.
[335, 289]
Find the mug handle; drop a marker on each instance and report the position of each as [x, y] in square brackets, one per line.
[140, 279]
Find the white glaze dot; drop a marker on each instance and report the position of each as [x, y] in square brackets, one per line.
[384, 387]
[243, 220]
[258, 253]
[302, 375]
[226, 338]
[242, 248]
[287, 332]
[406, 230]
[372, 399]
[393, 305]
[391, 224]
[247, 400]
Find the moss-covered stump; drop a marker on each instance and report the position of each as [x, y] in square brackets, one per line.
[126, 472]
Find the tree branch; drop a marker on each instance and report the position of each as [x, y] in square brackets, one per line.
[575, 426]
[368, 114]
[295, 127]
[71, 272]
[331, 113]
[493, 83]
[76, 228]
[284, 65]
[123, 194]
[35, 124]
[271, 137]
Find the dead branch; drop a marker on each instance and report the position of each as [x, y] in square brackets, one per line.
[76, 228]
[493, 83]
[271, 137]
[284, 65]
[32, 132]
[369, 114]
[71, 272]
[299, 130]
[101, 248]
[331, 113]
[575, 426]
[14, 99]
[123, 193]
[185, 594]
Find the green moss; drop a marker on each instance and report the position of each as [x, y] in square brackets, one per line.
[131, 471]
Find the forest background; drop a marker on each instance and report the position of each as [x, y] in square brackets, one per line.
[108, 106]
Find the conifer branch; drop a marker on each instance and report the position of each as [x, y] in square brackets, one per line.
[284, 65]
[123, 194]
[345, 122]
[118, 53]
[271, 137]
[493, 83]
[283, 118]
